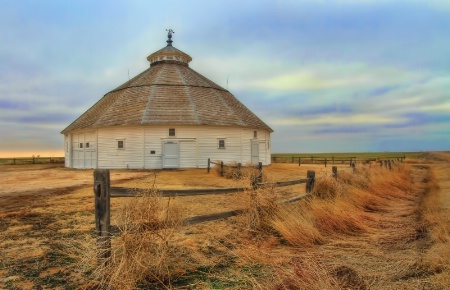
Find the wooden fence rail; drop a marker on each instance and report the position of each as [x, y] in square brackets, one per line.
[104, 192]
[332, 159]
[30, 160]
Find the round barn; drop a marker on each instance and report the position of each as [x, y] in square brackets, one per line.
[168, 116]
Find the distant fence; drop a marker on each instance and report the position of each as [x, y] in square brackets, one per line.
[238, 168]
[104, 192]
[30, 160]
[333, 160]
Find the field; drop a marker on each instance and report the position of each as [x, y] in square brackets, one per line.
[398, 238]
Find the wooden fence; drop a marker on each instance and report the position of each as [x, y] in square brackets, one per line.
[222, 165]
[332, 160]
[104, 192]
[30, 160]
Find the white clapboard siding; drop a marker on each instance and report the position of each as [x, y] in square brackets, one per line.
[131, 156]
[144, 146]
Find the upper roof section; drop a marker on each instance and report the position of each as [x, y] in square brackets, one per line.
[169, 92]
[169, 53]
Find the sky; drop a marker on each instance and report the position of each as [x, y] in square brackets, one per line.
[326, 76]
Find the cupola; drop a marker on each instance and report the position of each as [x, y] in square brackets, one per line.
[169, 54]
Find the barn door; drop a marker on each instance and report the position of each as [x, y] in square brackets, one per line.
[171, 155]
[84, 150]
[255, 151]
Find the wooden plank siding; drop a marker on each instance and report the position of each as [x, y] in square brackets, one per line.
[144, 146]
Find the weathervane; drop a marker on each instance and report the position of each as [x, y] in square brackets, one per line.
[169, 35]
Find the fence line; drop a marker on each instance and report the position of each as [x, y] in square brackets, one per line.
[104, 192]
[332, 160]
[31, 160]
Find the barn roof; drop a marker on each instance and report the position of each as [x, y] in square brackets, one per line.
[168, 93]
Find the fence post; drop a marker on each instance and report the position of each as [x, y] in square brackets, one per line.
[209, 164]
[311, 175]
[325, 162]
[299, 161]
[389, 164]
[334, 170]
[102, 214]
[221, 168]
[353, 167]
[260, 175]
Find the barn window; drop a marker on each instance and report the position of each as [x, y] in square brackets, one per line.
[221, 143]
[120, 144]
[87, 144]
[255, 134]
[81, 145]
[172, 132]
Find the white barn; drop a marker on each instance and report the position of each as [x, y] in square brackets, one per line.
[168, 116]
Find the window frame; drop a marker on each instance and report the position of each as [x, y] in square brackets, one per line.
[172, 132]
[118, 144]
[223, 141]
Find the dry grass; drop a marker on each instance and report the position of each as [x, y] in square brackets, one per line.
[144, 251]
[372, 229]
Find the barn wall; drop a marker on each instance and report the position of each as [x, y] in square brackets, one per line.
[131, 156]
[144, 146]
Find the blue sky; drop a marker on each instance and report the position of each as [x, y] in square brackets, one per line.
[327, 76]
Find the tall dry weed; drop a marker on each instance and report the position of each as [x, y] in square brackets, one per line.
[144, 251]
[258, 205]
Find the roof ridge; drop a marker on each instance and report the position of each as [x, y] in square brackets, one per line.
[144, 116]
[229, 108]
[194, 108]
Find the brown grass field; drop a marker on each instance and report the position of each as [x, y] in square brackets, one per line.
[372, 229]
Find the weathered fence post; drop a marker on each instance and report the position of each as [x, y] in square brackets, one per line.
[102, 214]
[311, 175]
[299, 161]
[260, 175]
[325, 162]
[351, 161]
[389, 164]
[209, 164]
[353, 167]
[221, 168]
[334, 170]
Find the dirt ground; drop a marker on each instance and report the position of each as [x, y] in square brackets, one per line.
[44, 206]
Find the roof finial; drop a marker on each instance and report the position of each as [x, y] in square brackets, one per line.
[169, 35]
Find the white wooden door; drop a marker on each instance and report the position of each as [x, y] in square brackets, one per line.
[84, 150]
[171, 155]
[255, 151]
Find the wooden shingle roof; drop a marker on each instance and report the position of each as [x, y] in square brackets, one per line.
[168, 93]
